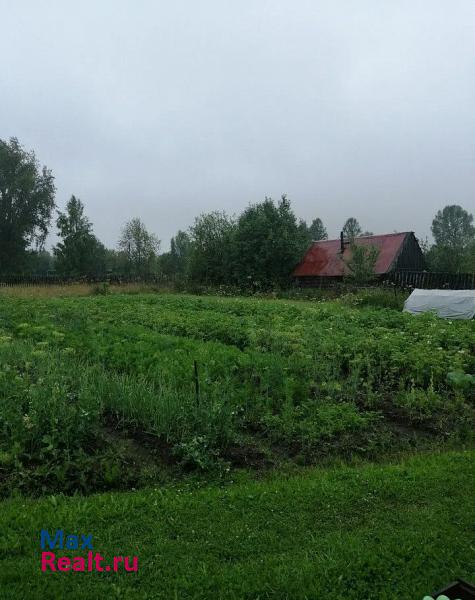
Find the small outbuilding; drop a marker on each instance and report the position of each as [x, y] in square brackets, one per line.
[325, 260]
[448, 304]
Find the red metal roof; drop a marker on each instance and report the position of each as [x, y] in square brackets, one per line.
[324, 258]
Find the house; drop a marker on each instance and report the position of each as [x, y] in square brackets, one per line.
[324, 262]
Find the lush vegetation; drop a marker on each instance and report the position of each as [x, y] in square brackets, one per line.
[208, 384]
[380, 532]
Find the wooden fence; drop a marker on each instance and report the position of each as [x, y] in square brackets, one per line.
[35, 280]
[427, 280]
[401, 279]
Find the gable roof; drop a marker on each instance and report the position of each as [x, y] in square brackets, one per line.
[324, 258]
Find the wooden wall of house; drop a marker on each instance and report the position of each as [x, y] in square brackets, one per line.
[317, 281]
[411, 256]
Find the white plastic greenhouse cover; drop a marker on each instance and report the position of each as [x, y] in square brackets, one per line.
[449, 304]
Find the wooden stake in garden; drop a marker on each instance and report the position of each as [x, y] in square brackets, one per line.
[197, 384]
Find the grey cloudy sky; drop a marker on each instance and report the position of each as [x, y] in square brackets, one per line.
[164, 110]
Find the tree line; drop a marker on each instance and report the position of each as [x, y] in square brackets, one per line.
[257, 248]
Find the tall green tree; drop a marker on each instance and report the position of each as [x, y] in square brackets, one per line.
[116, 261]
[305, 231]
[317, 230]
[40, 262]
[468, 263]
[79, 252]
[454, 235]
[140, 248]
[180, 247]
[26, 203]
[268, 243]
[212, 237]
[351, 229]
[175, 262]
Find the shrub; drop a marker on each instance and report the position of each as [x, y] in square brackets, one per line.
[101, 289]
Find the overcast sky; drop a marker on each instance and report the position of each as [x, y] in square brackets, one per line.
[164, 110]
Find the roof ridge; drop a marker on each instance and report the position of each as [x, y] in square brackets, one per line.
[365, 236]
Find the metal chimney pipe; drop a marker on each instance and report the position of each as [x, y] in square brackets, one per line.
[342, 242]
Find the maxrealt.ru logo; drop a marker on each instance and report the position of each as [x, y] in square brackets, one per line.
[92, 561]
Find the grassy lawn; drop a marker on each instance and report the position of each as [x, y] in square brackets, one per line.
[373, 531]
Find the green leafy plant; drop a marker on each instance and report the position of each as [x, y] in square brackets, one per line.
[461, 380]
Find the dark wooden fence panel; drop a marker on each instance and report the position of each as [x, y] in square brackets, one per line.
[428, 280]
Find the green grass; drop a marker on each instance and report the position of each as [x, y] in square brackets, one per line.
[370, 532]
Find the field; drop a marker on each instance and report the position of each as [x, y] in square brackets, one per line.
[248, 427]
